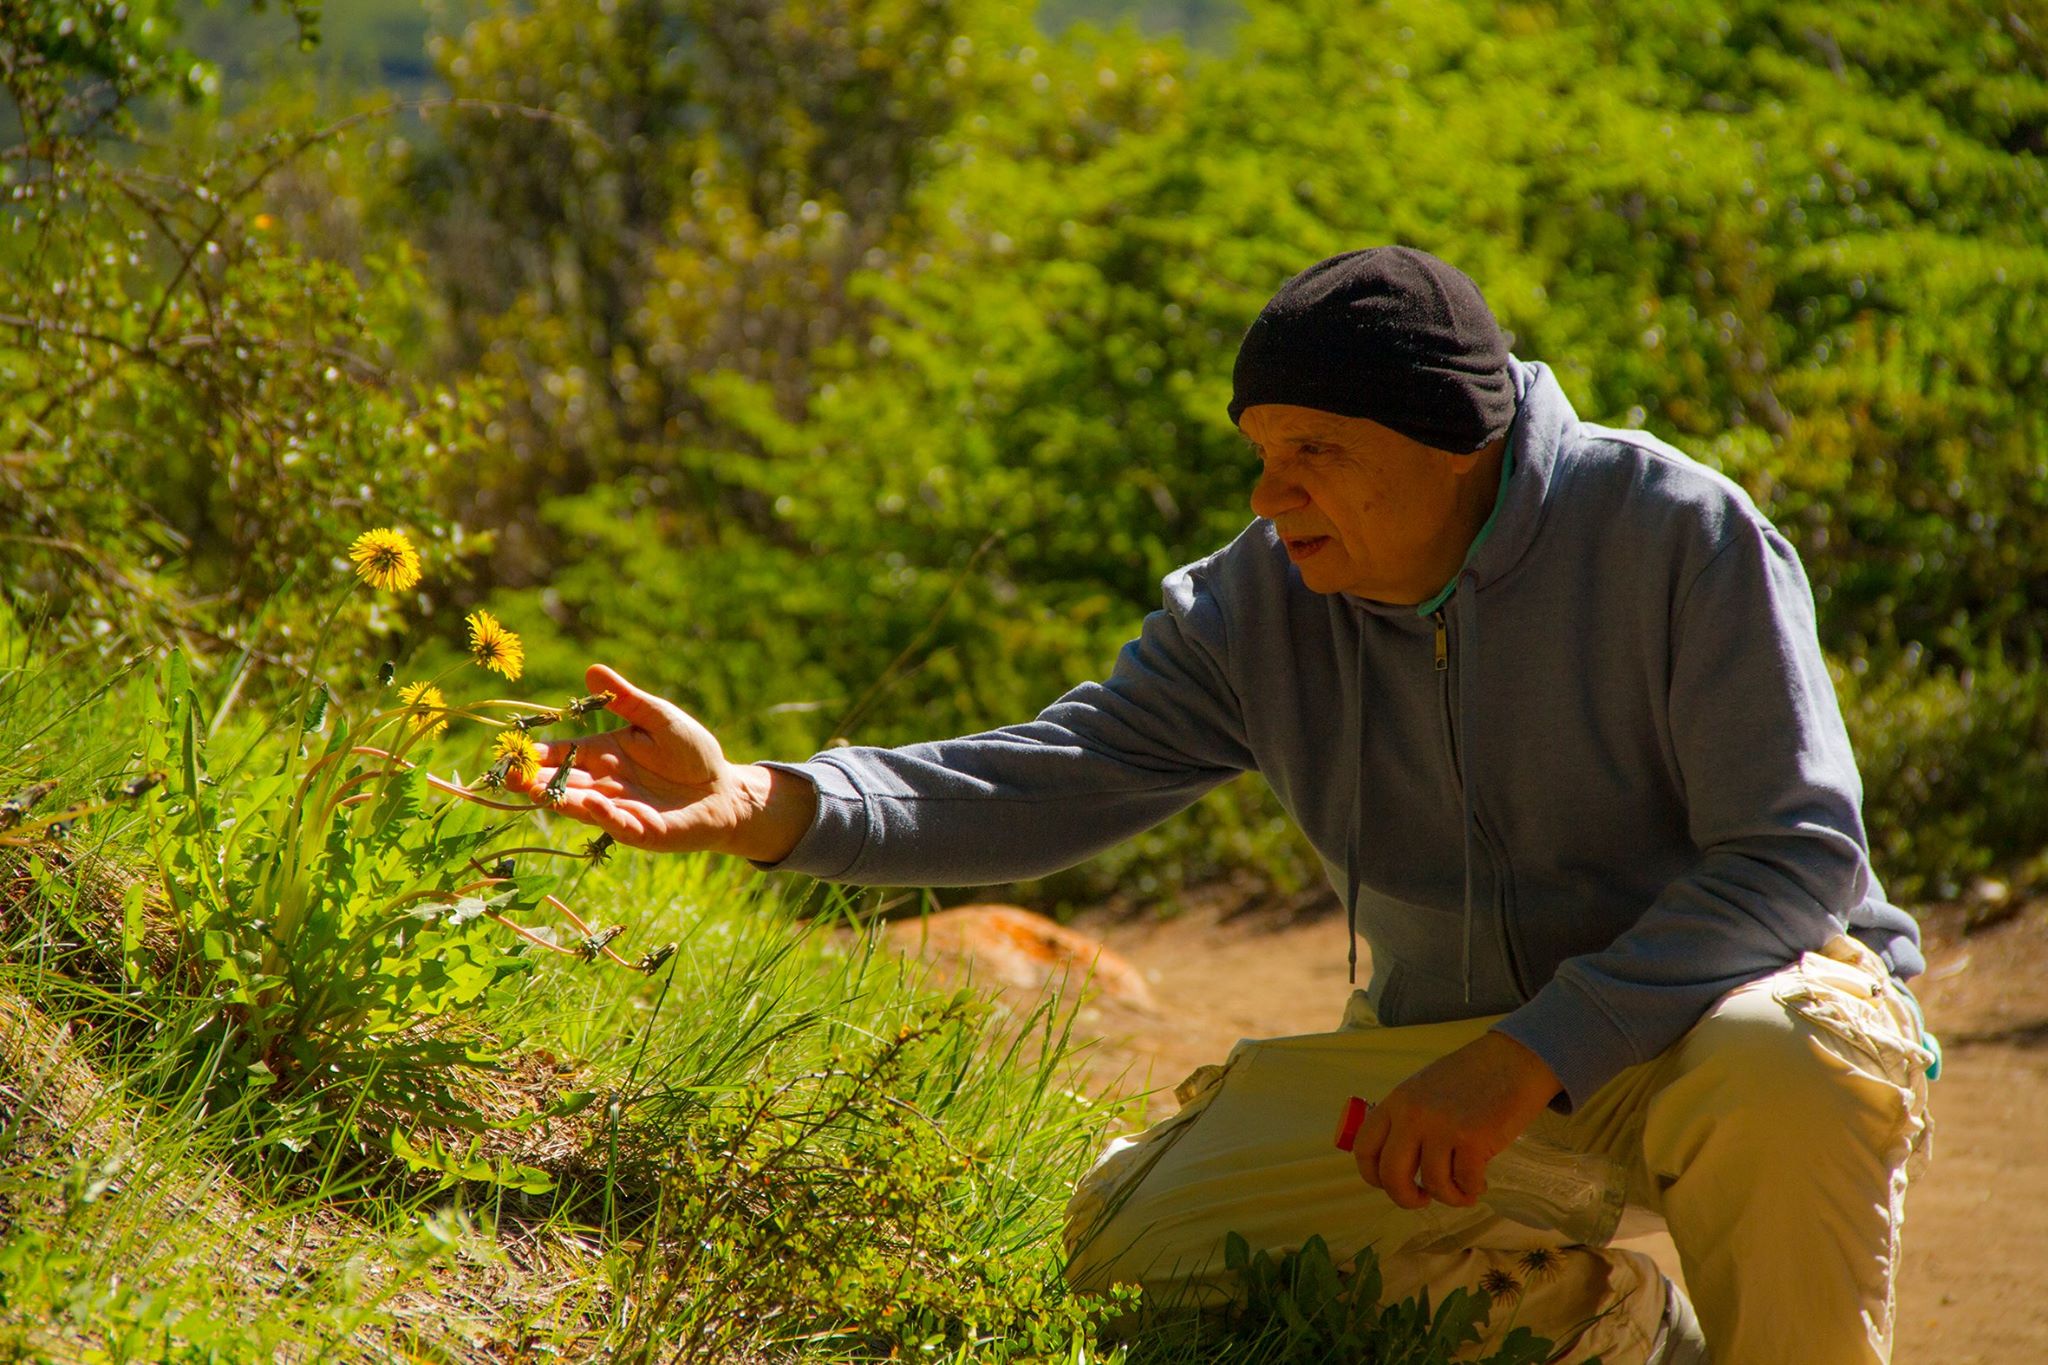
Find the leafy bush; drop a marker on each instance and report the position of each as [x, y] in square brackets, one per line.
[1803, 245]
[187, 399]
[1953, 783]
[871, 359]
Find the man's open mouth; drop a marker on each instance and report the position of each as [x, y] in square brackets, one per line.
[1301, 547]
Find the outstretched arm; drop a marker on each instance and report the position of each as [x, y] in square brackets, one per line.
[1104, 762]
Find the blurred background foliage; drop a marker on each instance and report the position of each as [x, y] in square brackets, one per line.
[853, 369]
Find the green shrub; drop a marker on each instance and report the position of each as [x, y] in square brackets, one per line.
[1953, 781]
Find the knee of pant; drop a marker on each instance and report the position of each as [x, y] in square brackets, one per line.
[1768, 1067]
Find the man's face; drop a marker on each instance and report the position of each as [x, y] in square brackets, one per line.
[1361, 508]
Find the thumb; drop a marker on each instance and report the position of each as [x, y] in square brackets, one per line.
[629, 703]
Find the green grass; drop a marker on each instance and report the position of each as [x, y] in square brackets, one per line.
[786, 1141]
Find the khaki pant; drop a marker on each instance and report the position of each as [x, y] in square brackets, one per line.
[1775, 1140]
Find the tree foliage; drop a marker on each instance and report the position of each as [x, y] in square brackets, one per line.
[192, 409]
[859, 365]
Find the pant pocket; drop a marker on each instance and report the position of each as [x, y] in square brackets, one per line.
[1845, 991]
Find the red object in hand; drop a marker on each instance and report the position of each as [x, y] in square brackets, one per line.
[1354, 1119]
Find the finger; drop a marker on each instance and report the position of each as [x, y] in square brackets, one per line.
[1398, 1161]
[551, 758]
[1366, 1151]
[629, 703]
[1468, 1171]
[615, 818]
[598, 757]
[577, 778]
[1435, 1176]
[595, 754]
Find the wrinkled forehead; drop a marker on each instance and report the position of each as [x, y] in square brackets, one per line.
[1267, 423]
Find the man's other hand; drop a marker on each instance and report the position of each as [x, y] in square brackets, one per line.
[662, 782]
[1432, 1136]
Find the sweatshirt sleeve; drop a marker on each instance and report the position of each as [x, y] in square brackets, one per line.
[1102, 763]
[1774, 804]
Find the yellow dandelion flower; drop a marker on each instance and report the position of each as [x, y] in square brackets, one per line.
[518, 755]
[428, 707]
[385, 559]
[493, 646]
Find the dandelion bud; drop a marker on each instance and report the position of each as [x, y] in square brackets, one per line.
[596, 943]
[139, 786]
[558, 785]
[596, 701]
[600, 848]
[537, 720]
[18, 805]
[504, 868]
[650, 963]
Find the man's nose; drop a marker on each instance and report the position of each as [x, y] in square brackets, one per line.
[1275, 494]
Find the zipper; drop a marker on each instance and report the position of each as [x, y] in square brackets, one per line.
[1443, 674]
[1449, 711]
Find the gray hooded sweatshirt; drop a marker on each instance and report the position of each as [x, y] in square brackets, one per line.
[1596, 784]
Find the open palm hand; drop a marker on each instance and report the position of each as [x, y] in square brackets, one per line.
[660, 783]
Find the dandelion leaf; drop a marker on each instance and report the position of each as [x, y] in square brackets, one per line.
[316, 710]
[465, 910]
[402, 802]
[1523, 1347]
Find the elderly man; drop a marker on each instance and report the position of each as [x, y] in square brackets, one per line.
[1547, 699]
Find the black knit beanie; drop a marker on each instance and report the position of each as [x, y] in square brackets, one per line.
[1390, 333]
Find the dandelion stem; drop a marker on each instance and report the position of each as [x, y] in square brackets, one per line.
[584, 929]
[339, 800]
[20, 833]
[312, 679]
[532, 937]
[561, 908]
[437, 783]
[536, 848]
[466, 794]
[571, 916]
[425, 892]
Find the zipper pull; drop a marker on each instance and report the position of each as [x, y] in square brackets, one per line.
[1443, 644]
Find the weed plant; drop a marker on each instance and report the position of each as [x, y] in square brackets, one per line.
[286, 1080]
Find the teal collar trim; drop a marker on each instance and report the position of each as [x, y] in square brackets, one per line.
[1500, 496]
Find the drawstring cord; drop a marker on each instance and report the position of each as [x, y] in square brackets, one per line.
[1468, 644]
[1357, 803]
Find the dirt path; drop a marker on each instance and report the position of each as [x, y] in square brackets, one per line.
[1977, 1240]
